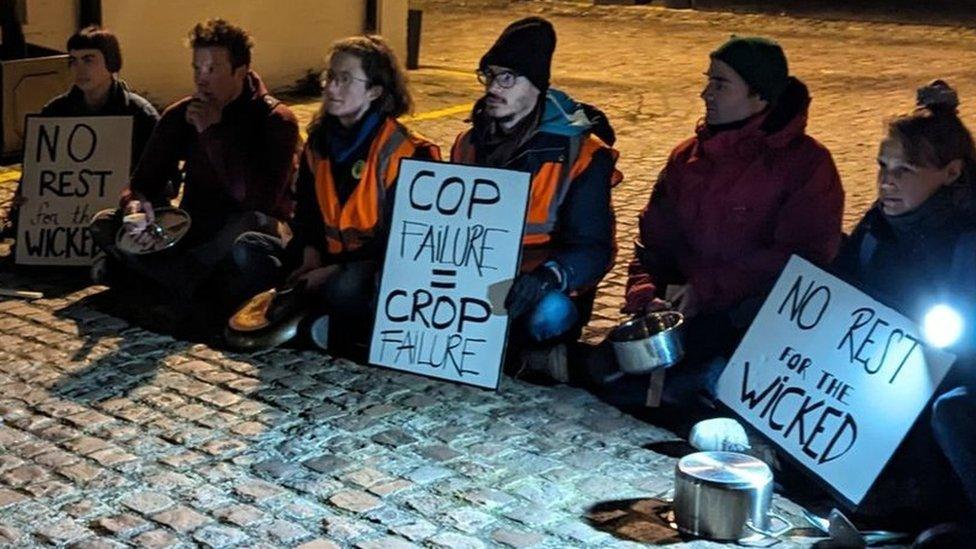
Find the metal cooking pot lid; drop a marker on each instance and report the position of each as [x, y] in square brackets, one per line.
[170, 226]
[730, 469]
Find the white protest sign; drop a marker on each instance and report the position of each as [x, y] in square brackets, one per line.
[831, 376]
[453, 251]
[73, 167]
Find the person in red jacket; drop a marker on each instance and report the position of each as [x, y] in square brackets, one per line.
[730, 207]
[233, 148]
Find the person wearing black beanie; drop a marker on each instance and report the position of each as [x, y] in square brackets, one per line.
[521, 123]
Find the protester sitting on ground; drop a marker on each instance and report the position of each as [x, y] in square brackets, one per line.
[914, 249]
[95, 59]
[522, 124]
[345, 196]
[239, 146]
[730, 207]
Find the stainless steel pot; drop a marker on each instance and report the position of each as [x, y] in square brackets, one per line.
[723, 496]
[648, 342]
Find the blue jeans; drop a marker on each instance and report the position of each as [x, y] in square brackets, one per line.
[953, 415]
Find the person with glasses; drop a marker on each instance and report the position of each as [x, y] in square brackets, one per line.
[522, 124]
[238, 147]
[345, 195]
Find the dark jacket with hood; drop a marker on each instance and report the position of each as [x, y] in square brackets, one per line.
[730, 207]
[582, 243]
[245, 162]
[121, 102]
[914, 261]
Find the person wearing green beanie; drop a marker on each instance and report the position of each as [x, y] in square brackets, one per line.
[749, 189]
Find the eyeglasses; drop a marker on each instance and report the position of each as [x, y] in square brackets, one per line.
[504, 79]
[342, 79]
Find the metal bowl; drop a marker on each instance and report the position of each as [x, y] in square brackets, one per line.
[649, 342]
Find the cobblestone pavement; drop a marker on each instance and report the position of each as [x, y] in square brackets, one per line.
[112, 435]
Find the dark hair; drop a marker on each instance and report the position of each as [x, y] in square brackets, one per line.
[220, 33]
[97, 38]
[382, 68]
[932, 135]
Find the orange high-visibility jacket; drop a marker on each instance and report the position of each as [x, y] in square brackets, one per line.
[551, 180]
[350, 225]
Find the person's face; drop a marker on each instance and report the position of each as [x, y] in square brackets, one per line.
[508, 104]
[727, 97]
[88, 69]
[903, 186]
[214, 77]
[346, 89]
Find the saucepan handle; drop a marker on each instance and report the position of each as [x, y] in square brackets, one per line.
[787, 526]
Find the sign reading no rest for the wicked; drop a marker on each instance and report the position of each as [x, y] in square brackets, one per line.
[73, 167]
[831, 376]
[453, 251]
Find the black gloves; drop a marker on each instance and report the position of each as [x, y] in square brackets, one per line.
[528, 290]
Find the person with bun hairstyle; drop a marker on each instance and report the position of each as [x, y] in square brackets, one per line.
[916, 248]
[345, 194]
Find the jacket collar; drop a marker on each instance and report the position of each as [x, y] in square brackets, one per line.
[775, 128]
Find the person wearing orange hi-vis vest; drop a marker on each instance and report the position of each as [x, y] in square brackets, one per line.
[522, 124]
[344, 199]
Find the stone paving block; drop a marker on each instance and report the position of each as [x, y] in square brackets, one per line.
[284, 532]
[387, 488]
[488, 497]
[455, 541]
[97, 543]
[387, 542]
[517, 538]
[318, 544]
[157, 539]
[365, 477]
[50, 489]
[531, 515]
[438, 452]
[427, 474]
[218, 536]
[259, 490]
[355, 501]
[10, 497]
[345, 529]
[61, 531]
[124, 525]
[24, 474]
[181, 519]
[147, 502]
[9, 535]
[468, 519]
[327, 464]
[81, 472]
[9, 461]
[242, 515]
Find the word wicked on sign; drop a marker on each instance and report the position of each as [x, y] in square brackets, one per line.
[73, 168]
[814, 365]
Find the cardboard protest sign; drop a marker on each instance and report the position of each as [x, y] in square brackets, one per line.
[831, 376]
[454, 248]
[73, 167]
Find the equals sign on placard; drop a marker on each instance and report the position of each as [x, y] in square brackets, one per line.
[444, 273]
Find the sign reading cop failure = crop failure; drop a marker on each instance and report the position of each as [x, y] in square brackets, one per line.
[452, 253]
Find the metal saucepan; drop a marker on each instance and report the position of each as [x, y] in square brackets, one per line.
[724, 496]
[648, 342]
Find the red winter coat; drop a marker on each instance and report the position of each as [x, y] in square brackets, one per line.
[730, 208]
